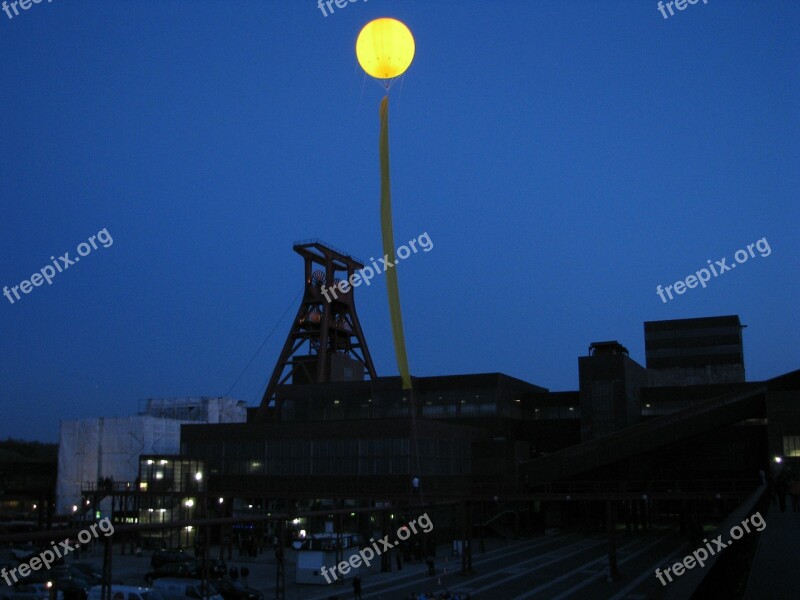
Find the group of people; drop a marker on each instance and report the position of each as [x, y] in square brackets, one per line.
[105, 483]
[234, 573]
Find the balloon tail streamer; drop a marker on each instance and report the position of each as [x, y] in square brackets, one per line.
[388, 249]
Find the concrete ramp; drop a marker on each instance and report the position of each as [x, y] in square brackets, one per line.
[746, 403]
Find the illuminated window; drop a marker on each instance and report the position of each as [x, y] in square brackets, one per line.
[791, 445]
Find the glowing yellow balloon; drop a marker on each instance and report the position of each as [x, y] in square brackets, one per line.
[385, 48]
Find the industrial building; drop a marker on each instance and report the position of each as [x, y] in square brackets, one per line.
[108, 449]
[363, 441]
[686, 420]
[27, 485]
[681, 440]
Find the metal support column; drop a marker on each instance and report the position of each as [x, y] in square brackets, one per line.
[611, 529]
[466, 553]
[105, 590]
[280, 581]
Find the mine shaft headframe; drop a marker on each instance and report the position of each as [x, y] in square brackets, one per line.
[326, 320]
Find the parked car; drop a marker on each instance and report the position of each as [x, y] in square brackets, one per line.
[164, 557]
[26, 591]
[189, 570]
[235, 590]
[20, 553]
[82, 573]
[72, 588]
[185, 589]
[23, 554]
[126, 592]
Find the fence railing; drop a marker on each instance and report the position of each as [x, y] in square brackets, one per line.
[644, 487]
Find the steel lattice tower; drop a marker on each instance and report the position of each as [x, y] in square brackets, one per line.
[326, 320]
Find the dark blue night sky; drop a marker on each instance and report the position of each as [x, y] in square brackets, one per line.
[565, 158]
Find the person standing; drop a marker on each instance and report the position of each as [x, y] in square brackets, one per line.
[431, 570]
[794, 492]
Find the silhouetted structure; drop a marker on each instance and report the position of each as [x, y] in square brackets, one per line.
[327, 321]
[694, 351]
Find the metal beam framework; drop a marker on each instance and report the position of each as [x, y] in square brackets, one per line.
[326, 320]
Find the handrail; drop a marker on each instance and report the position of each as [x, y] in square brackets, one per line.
[622, 487]
[115, 486]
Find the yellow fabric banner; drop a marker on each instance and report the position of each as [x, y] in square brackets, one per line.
[388, 248]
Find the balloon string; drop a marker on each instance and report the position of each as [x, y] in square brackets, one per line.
[388, 83]
[400, 93]
[361, 97]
